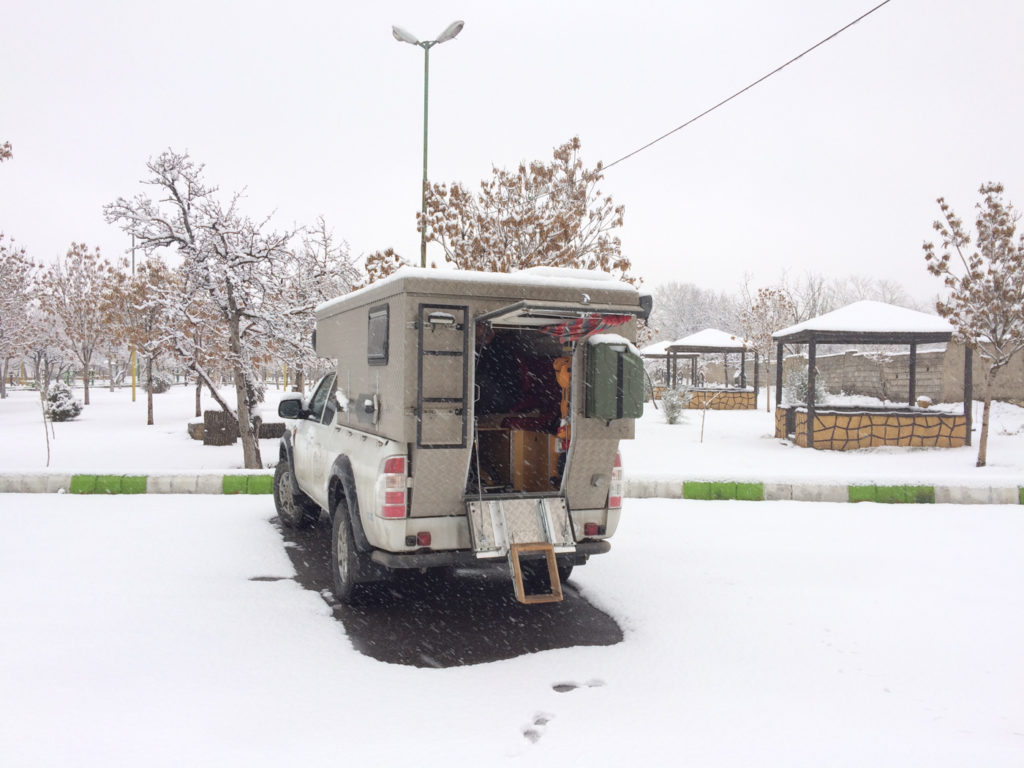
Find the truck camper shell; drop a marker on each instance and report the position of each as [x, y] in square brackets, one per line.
[507, 393]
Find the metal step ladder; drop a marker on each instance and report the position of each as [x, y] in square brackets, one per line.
[529, 528]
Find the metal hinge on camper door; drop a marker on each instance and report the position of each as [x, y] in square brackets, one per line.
[442, 376]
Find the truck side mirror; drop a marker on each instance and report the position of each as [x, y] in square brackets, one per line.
[290, 407]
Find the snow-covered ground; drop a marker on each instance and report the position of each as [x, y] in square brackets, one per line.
[768, 634]
[111, 436]
[739, 445]
[756, 634]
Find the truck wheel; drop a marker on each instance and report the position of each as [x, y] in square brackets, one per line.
[564, 570]
[346, 561]
[293, 511]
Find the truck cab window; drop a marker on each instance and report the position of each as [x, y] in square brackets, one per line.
[323, 393]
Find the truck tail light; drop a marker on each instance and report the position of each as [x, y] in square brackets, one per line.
[391, 488]
[615, 486]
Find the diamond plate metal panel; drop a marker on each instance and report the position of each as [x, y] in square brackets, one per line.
[497, 524]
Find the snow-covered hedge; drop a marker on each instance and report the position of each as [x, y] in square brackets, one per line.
[674, 402]
[61, 404]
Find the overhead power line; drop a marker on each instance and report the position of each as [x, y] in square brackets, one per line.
[740, 92]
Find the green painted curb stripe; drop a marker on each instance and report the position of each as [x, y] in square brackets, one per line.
[234, 484]
[119, 484]
[134, 483]
[83, 484]
[893, 494]
[750, 491]
[1022, 495]
[724, 491]
[250, 484]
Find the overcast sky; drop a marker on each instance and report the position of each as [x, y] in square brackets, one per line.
[833, 165]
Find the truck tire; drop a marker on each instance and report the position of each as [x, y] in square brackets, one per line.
[293, 511]
[347, 563]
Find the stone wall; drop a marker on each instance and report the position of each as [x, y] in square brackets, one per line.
[940, 374]
[723, 399]
[853, 429]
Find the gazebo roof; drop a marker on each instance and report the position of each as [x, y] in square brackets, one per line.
[868, 322]
[658, 349]
[709, 340]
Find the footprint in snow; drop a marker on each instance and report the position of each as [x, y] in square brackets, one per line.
[569, 686]
[535, 730]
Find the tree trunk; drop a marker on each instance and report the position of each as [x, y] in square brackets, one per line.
[250, 441]
[111, 373]
[85, 378]
[3, 378]
[199, 396]
[149, 391]
[983, 439]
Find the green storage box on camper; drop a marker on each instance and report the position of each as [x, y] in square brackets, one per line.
[615, 382]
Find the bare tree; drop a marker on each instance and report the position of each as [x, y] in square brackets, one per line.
[985, 285]
[16, 285]
[681, 309]
[770, 311]
[322, 269]
[72, 292]
[230, 263]
[139, 318]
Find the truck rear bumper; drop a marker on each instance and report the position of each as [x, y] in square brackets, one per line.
[468, 558]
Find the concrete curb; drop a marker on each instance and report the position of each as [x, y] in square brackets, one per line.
[646, 488]
[256, 482]
[253, 482]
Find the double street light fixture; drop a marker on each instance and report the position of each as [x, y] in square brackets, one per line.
[405, 37]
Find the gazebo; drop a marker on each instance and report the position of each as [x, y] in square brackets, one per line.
[725, 397]
[848, 428]
[659, 352]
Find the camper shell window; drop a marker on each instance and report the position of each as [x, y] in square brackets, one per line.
[377, 336]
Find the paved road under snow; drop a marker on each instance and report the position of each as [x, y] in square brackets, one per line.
[468, 617]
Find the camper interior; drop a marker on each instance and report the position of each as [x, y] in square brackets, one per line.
[521, 410]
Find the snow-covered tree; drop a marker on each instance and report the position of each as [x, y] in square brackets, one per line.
[16, 284]
[138, 317]
[985, 285]
[230, 263]
[771, 310]
[71, 293]
[681, 309]
[323, 269]
[380, 264]
[541, 214]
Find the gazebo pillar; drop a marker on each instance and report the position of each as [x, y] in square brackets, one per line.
[913, 375]
[968, 388]
[811, 356]
[757, 363]
[778, 376]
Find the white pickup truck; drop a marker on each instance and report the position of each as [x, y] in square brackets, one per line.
[473, 419]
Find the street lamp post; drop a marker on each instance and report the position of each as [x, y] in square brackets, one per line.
[405, 37]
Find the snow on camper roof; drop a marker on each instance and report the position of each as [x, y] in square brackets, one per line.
[711, 340]
[551, 279]
[872, 318]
